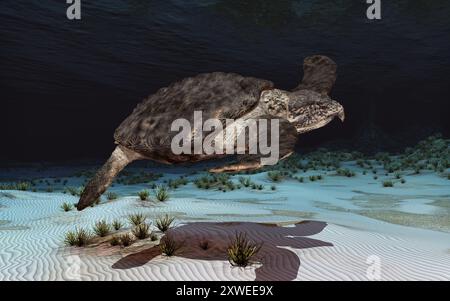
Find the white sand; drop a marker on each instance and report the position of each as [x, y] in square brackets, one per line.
[33, 228]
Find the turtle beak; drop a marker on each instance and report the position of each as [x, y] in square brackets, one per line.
[341, 114]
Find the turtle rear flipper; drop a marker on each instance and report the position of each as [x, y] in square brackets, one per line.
[319, 74]
[120, 158]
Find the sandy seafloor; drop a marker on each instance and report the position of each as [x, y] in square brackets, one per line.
[377, 233]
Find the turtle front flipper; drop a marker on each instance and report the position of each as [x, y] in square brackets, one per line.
[244, 163]
[287, 137]
[120, 158]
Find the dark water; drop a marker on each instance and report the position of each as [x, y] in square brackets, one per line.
[65, 85]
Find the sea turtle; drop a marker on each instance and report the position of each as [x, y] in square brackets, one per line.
[147, 133]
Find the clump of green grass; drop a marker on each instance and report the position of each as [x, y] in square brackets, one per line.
[23, 186]
[126, 239]
[169, 246]
[137, 219]
[67, 206]
[164, 223]
[102, 228]
[74, 191]
[111, 196]
[117, 224]
[143, 195]
[345, 172]
[153, 236]
[174, 184]
[71, 238]
[162, 193]
[388, 184]
[220, 181]
[241, 250]
[115, 241]
[141, 231]
[245, 181]
[80, 237]
[275, 176]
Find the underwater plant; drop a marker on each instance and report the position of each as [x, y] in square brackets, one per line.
[222, 182]
[143, 195]
[174, 184]
[169, 246]
[102, 228]
[115, 241]
[136, 218]
[117, 224]
[241, 250]
[245, 181]
[163, 223]
[23, 186]
[388, 184]
[345, 172]
[141, 231]
[80, 237]
[161, 193]
[111, 196]
[126, 239]
[75, 191]
[275, 176]
[66, 206]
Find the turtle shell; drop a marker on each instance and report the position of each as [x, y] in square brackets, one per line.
[218, 95]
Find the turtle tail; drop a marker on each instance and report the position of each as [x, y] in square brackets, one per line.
[120, 158]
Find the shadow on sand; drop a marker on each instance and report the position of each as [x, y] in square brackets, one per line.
[277, 263]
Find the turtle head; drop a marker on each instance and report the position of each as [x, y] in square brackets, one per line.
[308, 110]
